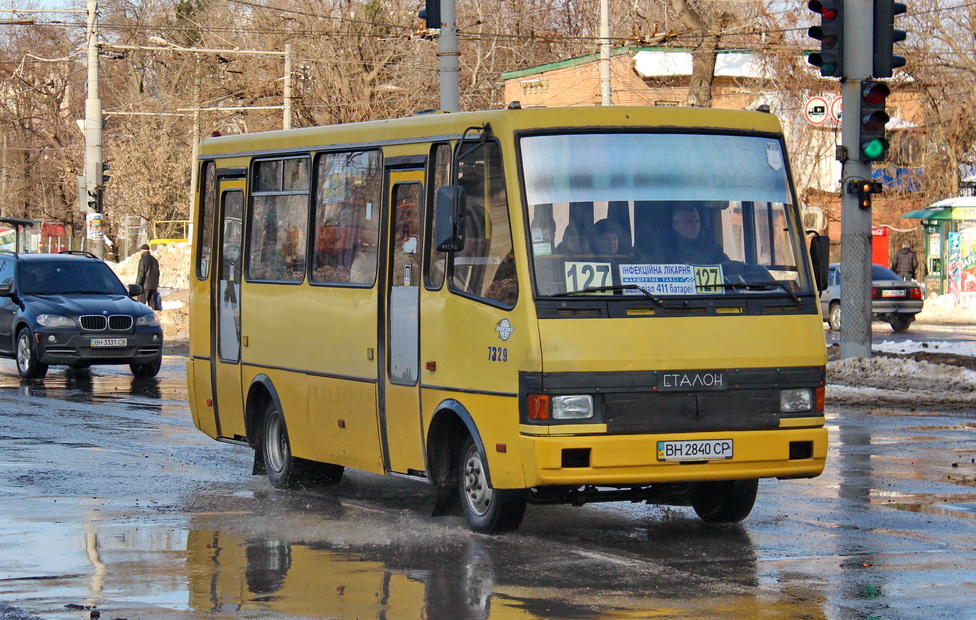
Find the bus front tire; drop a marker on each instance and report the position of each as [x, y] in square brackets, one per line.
[284, 470]
[724, 501]
[486, 509]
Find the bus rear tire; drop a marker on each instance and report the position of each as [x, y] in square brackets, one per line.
[284, 470]
[486, 509]
[724, 501]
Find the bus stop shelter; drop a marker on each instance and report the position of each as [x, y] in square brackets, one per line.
[950, 246]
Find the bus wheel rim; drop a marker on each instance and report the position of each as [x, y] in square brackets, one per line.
[477, 492]
[277, 443]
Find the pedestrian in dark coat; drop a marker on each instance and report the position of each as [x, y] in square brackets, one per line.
[148, 277]
[905, 263]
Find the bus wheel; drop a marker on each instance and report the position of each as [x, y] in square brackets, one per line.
[487, 510]
[284, 470]
[724, 501]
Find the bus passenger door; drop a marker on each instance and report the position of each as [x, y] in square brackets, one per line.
[226, 320]
[400, 396]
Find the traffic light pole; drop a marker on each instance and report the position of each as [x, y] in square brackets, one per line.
[855, 308]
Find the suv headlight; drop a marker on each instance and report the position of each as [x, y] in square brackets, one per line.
[149, 320]
[55, 320]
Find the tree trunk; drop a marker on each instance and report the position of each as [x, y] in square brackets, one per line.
[702, 59]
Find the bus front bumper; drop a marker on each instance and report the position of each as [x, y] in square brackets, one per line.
[634, 459]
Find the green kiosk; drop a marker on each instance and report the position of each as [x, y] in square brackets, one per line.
[950, 246]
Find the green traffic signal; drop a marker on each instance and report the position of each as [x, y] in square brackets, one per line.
[874, 149]
[872, 139]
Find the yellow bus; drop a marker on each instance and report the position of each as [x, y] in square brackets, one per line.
[516, 306]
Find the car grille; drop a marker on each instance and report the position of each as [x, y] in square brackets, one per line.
[99, 323]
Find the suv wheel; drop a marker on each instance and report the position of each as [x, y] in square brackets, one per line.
[149, 369]
[27, 364]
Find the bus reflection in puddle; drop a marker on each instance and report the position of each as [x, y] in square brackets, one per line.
[230, 573]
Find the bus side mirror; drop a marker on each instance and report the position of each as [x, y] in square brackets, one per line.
[820, 257]
[449, 218]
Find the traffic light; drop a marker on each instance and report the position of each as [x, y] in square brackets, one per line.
[830, 33]
[885, 36]
[864, 190]
[872, 142]
[431, 13]
[94, 201]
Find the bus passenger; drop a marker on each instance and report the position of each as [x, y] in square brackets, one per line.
[606, 239]
[573, 243]
[689, 245]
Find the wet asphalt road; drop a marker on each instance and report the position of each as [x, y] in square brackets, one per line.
[111, 501]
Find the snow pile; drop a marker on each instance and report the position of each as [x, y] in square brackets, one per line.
[896, 382]
[943, 309]
[174, 266]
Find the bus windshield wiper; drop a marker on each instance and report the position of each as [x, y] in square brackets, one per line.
[614, 287]
[760, 285]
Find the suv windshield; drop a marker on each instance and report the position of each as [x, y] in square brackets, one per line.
[68, 277]
[669, 213]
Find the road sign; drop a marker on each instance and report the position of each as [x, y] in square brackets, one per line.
[836, 107]
[815, 110]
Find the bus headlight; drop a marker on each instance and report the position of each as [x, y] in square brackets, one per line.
[572, 407]
[791, 401]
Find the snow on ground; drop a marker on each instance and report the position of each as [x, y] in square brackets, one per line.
[882, 381]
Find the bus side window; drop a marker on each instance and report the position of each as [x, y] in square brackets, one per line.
[485, 267]
[208, 181]
[279, 220]
[347, 200]
[440, 176]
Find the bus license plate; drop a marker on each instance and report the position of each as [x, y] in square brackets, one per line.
[695, 450]
[110, 342]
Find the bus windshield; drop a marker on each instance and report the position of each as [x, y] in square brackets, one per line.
[674, 214]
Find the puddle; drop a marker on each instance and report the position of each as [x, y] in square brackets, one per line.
[960, 506]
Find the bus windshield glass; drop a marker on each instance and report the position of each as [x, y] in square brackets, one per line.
[674, 214]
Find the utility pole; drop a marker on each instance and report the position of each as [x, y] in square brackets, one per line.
[605, 52]
[94, 170]
[449, 58]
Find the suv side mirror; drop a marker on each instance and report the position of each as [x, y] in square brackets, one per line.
[820, 257]
[449, 208]
[134, 290]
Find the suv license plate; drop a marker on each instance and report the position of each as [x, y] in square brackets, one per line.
[695, 450]
[110, 342]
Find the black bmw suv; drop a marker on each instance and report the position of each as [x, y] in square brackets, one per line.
[71, 309]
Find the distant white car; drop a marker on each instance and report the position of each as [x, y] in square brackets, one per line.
[893, 300]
